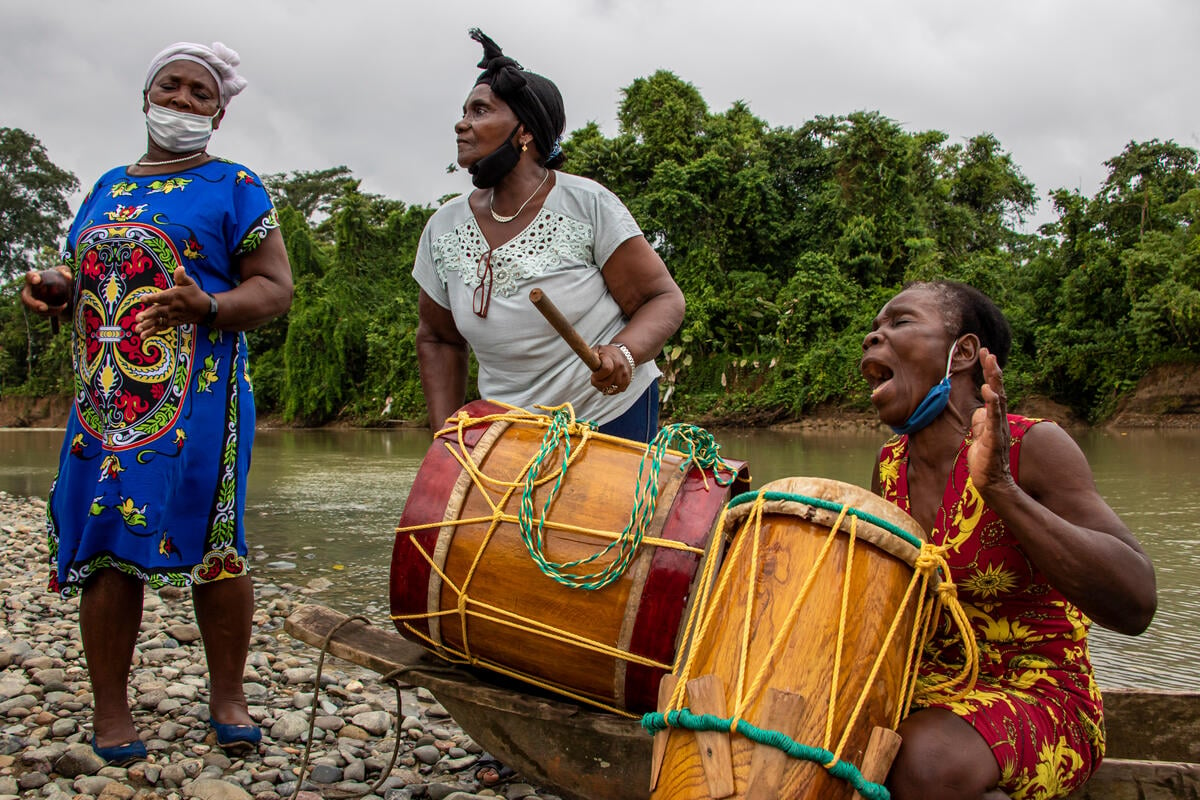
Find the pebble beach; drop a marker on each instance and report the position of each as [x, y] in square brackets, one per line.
[45, 706]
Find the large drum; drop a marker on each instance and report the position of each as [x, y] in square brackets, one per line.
[540, 549]
[807, 645]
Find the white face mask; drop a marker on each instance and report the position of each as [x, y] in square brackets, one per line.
[176, 131]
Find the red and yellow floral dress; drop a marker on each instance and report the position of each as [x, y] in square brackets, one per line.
[1036, 702]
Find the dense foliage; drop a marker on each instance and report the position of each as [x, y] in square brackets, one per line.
[33, 213]
[786, 241]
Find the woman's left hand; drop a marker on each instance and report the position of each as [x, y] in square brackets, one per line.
[614, 374]
[183, 304]
[987, 459]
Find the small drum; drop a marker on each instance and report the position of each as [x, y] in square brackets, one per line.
[812, 632]
[499, 549]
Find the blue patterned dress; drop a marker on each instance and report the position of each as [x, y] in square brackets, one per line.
[152, 476]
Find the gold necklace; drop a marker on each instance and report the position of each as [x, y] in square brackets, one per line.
[501, 217]
[144, 163]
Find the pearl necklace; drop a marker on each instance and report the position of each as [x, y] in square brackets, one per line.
[501, 217]
[145, 163]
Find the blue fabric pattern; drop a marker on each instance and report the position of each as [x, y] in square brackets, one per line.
[152, 474]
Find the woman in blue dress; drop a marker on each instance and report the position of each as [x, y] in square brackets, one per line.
[172, 258]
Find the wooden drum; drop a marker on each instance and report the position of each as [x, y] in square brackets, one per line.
[812, 633]
[496, 526]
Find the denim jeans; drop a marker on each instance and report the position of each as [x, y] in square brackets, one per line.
[640, 422]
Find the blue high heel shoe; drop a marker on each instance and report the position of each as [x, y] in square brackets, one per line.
[121, 754]
[236, 738]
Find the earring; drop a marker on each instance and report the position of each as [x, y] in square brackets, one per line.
[524, 147]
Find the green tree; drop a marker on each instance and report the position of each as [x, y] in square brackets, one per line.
[349, 344]
[987, 197]
[665, 114]
[1126, 278]
[33, 215]
[33, 201]
[1143, 184]
[312, 193]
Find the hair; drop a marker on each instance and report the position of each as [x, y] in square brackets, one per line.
[969, 310]
[535, 100]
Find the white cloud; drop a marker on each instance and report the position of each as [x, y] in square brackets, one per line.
[1063, 84]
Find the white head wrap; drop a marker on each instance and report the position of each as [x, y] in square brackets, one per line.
[219, 60]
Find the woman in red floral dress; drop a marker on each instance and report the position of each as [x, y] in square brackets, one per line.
[1035, 552]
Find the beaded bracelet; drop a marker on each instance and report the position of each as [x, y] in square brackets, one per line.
[628, 355]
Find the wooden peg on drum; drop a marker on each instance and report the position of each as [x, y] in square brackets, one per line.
[564, 328]
[784, 713]
[666, 688]
[706, 695]
[881, 752]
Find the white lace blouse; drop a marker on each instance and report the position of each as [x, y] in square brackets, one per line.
[522, 360]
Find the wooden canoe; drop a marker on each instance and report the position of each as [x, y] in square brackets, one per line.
[581, 754]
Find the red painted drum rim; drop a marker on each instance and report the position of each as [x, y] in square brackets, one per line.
[654, 611]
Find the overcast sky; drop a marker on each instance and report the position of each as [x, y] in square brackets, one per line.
[377, 86]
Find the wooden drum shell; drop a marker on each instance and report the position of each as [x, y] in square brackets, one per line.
[790, 543]
[518, 620]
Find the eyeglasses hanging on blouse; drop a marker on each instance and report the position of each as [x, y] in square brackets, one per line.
[483, 292]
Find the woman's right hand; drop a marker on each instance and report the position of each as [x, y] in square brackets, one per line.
[614, 374]
[45, 294]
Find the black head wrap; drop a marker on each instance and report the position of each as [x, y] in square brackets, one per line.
[535, 100]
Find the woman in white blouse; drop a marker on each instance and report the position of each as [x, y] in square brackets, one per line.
[528, 225]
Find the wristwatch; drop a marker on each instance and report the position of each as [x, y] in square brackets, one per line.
[628, 355]
[211, 316]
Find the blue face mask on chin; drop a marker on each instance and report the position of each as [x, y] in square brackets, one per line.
[933, 405]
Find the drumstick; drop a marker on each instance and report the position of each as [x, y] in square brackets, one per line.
[564, 328]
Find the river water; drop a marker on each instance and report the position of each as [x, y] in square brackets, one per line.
[325, 503]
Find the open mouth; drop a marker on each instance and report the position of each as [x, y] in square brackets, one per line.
[875, 374]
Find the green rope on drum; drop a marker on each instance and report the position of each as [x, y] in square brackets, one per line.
[699, 449]
[829, 505]
[683, 718]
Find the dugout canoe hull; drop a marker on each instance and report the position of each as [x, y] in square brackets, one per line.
[578, 753]
[581, 754]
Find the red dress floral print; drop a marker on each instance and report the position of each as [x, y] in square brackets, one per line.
[1036, 702]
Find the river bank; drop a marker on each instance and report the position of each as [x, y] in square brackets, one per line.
[45, 705]
[1167, 397]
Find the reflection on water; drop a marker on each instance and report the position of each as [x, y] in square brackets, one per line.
[328, 502]
[324, 504]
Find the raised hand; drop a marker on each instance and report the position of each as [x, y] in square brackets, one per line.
[987, 459]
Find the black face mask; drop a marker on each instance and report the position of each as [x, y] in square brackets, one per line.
[487, 171]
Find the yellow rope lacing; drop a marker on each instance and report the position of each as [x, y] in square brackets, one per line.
[559, 426]
[929, 565]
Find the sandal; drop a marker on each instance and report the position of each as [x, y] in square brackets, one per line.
[489, 772]
[237, 738]
[122, 754]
